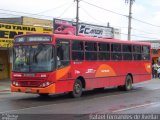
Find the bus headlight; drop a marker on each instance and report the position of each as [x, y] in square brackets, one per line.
[15, 83]
[45, 84]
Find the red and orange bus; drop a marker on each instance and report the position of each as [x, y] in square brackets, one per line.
[53, 63]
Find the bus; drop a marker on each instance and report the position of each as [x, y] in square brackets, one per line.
[52, 63]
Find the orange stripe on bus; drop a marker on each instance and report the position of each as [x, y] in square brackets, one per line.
[105, 70]
[61, 72]
[148, 67]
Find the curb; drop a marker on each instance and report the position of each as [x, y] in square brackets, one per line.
[2, 91]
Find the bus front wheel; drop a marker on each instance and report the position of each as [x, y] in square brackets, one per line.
[44, 95]
[77, 89]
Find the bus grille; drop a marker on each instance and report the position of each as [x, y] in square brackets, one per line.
[30, 83]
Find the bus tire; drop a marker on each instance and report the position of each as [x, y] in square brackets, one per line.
[128, 83]
[120, 87]
[44, 95]
[77, 89]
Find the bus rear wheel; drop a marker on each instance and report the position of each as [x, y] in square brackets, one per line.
[77, 89]
[128, 83]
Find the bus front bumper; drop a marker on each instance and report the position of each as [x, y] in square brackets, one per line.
[37, 90]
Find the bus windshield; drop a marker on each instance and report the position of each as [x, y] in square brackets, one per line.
[34, 58]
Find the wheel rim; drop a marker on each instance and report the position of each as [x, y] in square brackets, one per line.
[77, 88]
[129, 84]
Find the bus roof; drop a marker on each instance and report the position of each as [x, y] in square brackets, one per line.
[98, 39]
[87, 38]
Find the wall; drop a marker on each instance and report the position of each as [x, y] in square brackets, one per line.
[5, 66]
[37, 22]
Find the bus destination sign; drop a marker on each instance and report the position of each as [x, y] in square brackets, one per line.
[33, 39]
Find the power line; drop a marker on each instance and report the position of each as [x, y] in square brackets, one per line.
[60, 6]
[67, 8]
[24, 13]
[141, 36]
[105, 9]
[9, 14]
[90, 15]
[145, 22]
[144, 31]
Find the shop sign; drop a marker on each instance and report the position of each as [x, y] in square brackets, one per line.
[8, 31]
[64, 27]
[95, 30]
[69, 27]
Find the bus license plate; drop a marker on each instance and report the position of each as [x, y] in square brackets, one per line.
[28, 90]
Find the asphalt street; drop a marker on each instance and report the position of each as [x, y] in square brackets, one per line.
[144, 98]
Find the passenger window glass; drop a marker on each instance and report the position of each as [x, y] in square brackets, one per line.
[104, 51]
[137, 48]
[116, 51]
[77, 45]
[90, 46]
[145, 53]
[116, 47]
[104, 46]
[127, 55]
[90, 50]
[127, 48]
[77, 50]
[137, 52]
[63, 53]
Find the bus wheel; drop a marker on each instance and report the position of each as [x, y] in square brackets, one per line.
[44, 95]
[120, 87]
[128, 83]
[77, 89]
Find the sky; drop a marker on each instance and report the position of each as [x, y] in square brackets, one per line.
[145, 14]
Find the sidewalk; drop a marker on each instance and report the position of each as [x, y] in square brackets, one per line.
[5, 85]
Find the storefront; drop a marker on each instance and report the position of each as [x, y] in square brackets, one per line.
[7, 33]
[4, 64]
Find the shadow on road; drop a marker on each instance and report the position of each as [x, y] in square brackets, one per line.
[64, 97]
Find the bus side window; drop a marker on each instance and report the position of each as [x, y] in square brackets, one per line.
[63, 53]
[116, 51]
[77, 50]
[145, 53]
[137, 52]
[90, 50]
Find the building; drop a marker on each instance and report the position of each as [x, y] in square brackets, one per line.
[28, 21]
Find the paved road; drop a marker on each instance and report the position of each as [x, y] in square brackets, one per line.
[144, 98]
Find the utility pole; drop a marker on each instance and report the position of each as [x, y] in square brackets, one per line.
[77, 16]
[129, 17]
